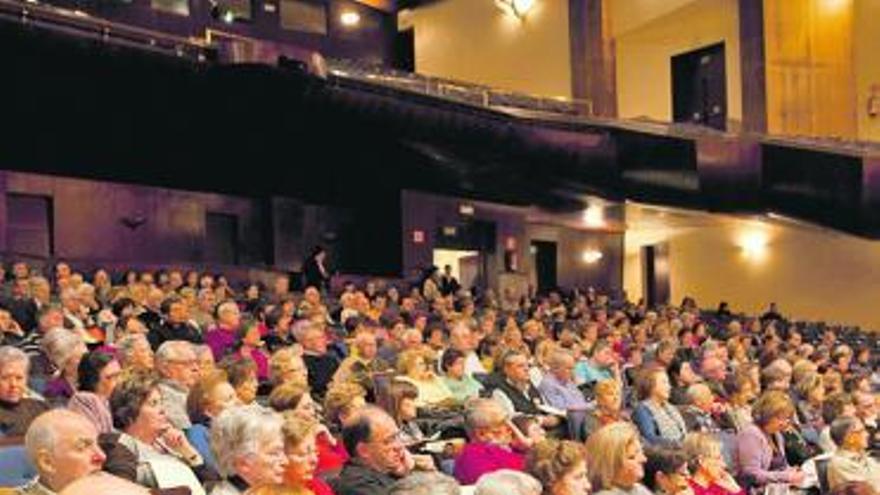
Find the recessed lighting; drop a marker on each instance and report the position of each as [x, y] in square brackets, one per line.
[350, 19]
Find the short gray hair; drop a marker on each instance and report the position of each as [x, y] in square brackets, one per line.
[42, 434]
[239, 430]
[483, 413]
[127, 343]
[507, 482]
[426, 483]
[170, 349]
[59, 344]
[9, 354]
[560, 357]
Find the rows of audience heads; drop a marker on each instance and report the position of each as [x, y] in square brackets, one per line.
[185, 382]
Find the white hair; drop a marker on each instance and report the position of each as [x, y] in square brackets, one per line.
[9, 354]
[59, 345]
[425, 483]
[170, 349]
[43, 431]
[239, 430]
[507, 482]
[483, 413]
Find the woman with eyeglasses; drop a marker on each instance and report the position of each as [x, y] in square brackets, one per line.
[760, 447]
[302, 456]
[710, 476]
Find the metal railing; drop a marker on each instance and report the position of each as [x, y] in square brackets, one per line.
[82, 24]
[458, 91]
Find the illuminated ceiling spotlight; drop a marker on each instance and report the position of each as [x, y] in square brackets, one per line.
[594, 217]
[350, 18]
[591, 256]
[517, 8]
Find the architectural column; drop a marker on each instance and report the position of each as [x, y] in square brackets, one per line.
[592, 56]
[752, 61]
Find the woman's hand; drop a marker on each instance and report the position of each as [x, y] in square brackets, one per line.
[175, 441]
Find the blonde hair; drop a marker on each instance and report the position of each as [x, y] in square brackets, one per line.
[612, 441]
[407, 360]
[605, 387]
[287, 396]
[339, 397]
[772, 404]
[297, 429]
[700, 444]
[808, 383]
[279, 362]
[550, 460]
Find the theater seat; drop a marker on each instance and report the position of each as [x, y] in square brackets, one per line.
[15, 468]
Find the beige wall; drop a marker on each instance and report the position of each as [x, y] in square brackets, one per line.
[644, 80]
[812, 273]
[475, 41]
[867, 47]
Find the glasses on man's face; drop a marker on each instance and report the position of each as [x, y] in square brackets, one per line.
[393, 440]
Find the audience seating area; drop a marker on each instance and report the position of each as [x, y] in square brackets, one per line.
[171, 381]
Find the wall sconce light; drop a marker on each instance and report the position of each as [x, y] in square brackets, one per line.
[132, 222]
[350, 18]
[517, 8]
[591, 256]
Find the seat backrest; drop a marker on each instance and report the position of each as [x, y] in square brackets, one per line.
[15, 467]
[822, 473]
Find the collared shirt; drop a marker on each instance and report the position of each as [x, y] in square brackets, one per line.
[847, 466]
[34, 488]
[174, 399]
[562, 395]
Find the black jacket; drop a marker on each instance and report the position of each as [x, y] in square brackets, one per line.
[357, 479]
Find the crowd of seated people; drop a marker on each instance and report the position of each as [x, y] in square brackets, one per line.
[176, 382]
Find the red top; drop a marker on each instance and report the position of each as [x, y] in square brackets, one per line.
[713, 489]
[330, 457]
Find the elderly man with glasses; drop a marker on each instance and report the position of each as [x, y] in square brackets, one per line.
[178, 365]
[851, 461]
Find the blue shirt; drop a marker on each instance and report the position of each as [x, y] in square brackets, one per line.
[561, 395]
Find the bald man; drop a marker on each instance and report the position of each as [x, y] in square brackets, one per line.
[63, 446]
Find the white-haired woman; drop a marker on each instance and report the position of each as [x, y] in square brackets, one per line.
[249, 447]
[64, 348]
[16, 411]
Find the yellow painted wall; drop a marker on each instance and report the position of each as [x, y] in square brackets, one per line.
[644, 80]
[631, 14]
[810, 75]
[475, 41]
[867, 65]
[813, 274]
